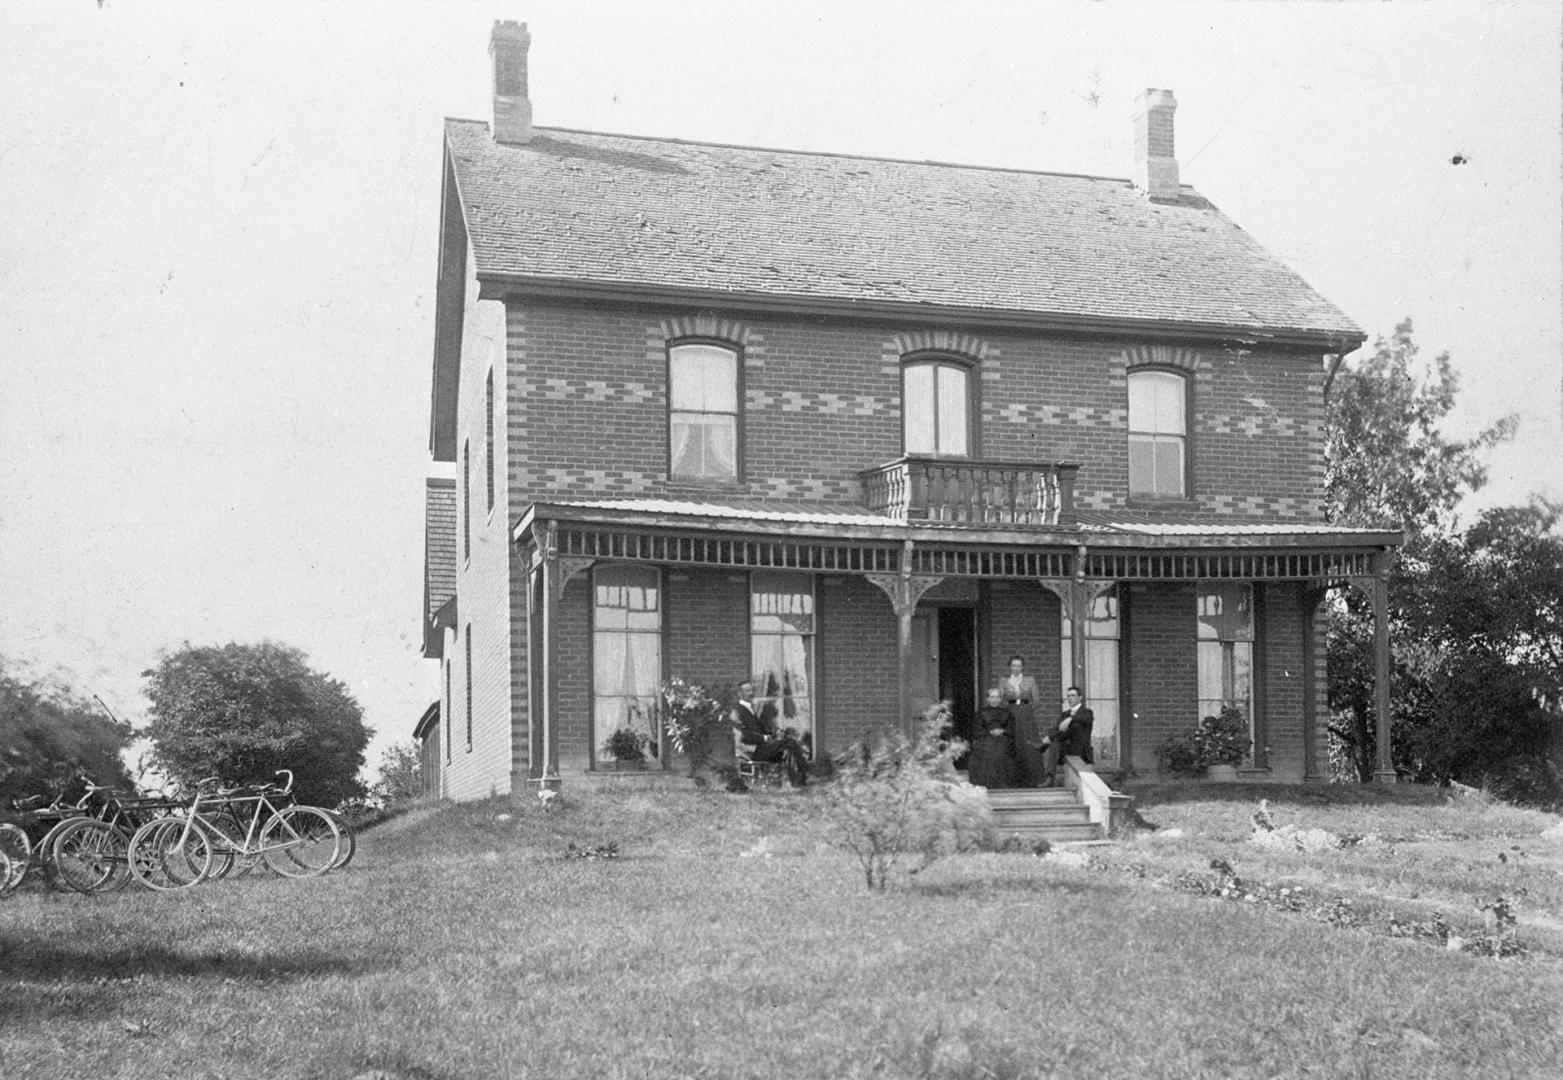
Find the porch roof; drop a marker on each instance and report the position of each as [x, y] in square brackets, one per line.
[819, 519]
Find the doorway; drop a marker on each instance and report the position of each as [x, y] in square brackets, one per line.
[944, 665]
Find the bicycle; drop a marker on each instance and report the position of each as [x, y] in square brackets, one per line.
[180, 851]
[28, 841]
[90, 853]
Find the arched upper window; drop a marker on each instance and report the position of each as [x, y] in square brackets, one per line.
[1158, 435]
[937, 408]
[703, 412]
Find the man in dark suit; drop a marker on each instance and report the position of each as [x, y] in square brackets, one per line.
[762, 741]
[1070, 736]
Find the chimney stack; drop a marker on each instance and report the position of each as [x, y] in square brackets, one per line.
[512, 108]
[1155, 162]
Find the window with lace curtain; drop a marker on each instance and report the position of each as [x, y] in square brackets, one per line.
[781, 642]
[703, 412]
[626, 654]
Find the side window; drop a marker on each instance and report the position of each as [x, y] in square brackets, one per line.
[469, 688]
[466, 500]
[1226, 649]
[702, 412]
[626, 655]
[488, 437]
[781, 649]
[936, 408]
[1158, 435]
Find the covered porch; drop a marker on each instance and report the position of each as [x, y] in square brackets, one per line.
[991, 568]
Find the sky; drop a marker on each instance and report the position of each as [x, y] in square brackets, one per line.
[218, 226]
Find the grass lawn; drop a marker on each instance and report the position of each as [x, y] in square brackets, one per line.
[728, 941]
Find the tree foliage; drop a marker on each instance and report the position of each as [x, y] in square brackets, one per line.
[50, 738]
[901, 797]
[1476, 614]
[401, 775]
[242, 712]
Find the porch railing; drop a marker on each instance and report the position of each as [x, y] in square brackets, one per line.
[972, 492]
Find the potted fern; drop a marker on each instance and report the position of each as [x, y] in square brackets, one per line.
[1222, 743]
[627, 747]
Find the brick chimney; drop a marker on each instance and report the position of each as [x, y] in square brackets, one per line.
[512, 108]
[1155, 162]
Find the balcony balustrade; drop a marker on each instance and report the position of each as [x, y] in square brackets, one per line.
[972, 492]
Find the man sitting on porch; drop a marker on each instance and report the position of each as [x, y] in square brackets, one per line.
[1070, 736]
[760, 739]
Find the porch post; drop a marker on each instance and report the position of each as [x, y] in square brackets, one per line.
[1080, 596]
[535, 708]
[1311, 597]
[1384, 771]
[904, 589]
[549, 547]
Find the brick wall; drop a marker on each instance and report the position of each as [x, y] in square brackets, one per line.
[1281, 657]
[482, 766]
[821, 401]
[1163, 675]
[859, 658]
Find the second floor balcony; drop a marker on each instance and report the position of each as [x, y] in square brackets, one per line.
[972, 492]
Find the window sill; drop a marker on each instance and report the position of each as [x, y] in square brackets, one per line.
[1145, 502]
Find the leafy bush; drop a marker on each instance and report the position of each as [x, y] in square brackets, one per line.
[1218, 740]
[692, 717]
[903, 796]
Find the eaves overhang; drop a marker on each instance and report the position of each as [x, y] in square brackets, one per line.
[500, 285]
[875, 529]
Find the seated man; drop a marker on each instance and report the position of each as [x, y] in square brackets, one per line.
[1070, 736]
[763, 742]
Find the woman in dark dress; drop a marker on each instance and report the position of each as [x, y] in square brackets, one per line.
[993, 763]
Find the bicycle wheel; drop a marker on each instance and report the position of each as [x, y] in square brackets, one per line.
[301, 841]
[17, 850]
[43, 852]
[229, 859]
[164, 856]
[91, 856]
[349, 840]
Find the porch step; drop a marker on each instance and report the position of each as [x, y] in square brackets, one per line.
[1053, 814]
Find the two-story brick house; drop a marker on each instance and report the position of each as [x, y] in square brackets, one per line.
[863, 429]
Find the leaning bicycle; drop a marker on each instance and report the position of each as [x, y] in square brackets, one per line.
[225, 825]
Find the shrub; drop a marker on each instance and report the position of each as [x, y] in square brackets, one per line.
[692, 717]
[903, 796]
[1217, 740]
[627, 744]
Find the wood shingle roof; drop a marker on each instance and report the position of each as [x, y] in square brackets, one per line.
[575, 209]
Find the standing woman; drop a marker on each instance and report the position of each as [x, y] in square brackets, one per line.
[1020, 694]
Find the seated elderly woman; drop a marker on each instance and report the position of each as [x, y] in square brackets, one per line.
[993, 762]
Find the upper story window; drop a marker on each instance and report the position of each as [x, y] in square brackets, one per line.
[702, 412]
[936, 408]
[1158, 435]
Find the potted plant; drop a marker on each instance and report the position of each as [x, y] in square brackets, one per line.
[627, 747]
[691, 717]
[1222, 743]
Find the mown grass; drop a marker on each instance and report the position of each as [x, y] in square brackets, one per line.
[729, 941]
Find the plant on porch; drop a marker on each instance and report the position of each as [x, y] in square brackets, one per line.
[692, 717]
[626, 744]
[1221, 739]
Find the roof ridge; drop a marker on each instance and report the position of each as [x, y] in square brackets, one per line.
[836, 155]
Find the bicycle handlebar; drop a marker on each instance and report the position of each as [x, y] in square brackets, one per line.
[289, 774]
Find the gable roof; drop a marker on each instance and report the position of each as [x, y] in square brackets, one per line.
[594, 214]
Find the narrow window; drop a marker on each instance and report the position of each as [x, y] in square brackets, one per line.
[1102, 631]
[488, 438]
[1226, 649]
[703, 412]
[1158, 434]
[781, 644]
[936, 408]
[626, 654]
[466, 500]
[469, 688]
[447, 706]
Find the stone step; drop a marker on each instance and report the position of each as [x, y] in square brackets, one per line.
[1055, 834]
[1042, 815]
[1004, 798]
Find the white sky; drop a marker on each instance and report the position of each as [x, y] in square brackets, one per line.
[218, 222]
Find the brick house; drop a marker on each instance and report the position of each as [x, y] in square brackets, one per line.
[864, 429]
